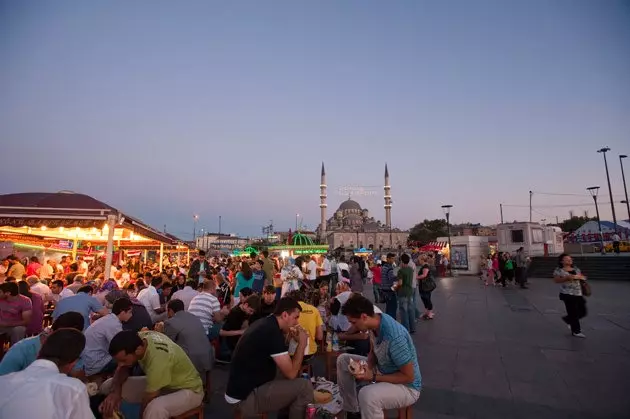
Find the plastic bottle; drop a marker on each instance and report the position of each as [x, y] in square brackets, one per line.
[335, 342]
[329, 340]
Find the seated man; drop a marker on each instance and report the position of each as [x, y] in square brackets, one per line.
[267, 304]
[58, 291]
[139, 315]
[24, 353]
[237, 320]
[186, 330]
[83, 303]
[171, 386]
[96, 358]
[252, 385]
[311, 321]
[206, 306]
[57, 395]
[392, 373]
[15, 312]
[187, 294]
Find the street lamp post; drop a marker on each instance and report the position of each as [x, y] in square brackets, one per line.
[447, 212]
[604, 150]
[593, 190]
[296, 221]
[195, 219]
[625, 188]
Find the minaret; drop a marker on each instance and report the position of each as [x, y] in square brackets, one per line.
[388, 200]
[322, 204]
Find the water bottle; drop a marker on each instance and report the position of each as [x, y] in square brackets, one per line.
[335, 342]
[329, 340]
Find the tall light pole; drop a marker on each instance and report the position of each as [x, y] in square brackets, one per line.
[447, 212]
[296, 221]
[604, 150]
[625, 188]
[219, 225]
[593, 190]
[195, 219]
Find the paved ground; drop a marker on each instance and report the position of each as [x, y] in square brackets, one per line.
[504, 353]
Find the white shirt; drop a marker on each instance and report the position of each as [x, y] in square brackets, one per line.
[186, 295]
[342, 266]
[616, 238]
[43, 290]
[97, 339]
[112, 272]
[150, 299]
[204, 306]
[83, 268]
[312, 270]
[41, 391]
[66, 292]
[414, 281]
[326, 267]
[47, 271]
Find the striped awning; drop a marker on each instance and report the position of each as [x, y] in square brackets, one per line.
[433, 246]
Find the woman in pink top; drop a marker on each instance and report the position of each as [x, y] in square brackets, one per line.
[35, 326]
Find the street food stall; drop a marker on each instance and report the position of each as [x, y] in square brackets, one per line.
[76, 224]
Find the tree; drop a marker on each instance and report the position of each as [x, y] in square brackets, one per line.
[428, 231]
[573, 223]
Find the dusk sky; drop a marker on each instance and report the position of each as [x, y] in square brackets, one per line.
[165, 109]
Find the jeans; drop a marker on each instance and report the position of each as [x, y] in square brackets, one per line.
[279, 394]
[391, 305]
[426, 299]
[407, 313]
[415, 304]
[576, 309]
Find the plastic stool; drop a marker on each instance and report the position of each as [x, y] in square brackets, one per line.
[403, 413]
[196, 413]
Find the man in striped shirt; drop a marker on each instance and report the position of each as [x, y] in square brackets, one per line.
[206, 305]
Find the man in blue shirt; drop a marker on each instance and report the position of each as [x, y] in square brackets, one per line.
[24, 353]
[83, 303]
[390, 376]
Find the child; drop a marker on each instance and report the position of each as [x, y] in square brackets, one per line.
[259, 277]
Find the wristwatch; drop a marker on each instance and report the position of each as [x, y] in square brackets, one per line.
[373, 377]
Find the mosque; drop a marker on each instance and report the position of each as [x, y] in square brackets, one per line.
[351, 226]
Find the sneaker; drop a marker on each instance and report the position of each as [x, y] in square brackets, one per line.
[579, 335]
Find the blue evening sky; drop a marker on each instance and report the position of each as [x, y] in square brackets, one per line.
[169, 108]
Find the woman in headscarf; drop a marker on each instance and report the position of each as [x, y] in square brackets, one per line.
[105, 289]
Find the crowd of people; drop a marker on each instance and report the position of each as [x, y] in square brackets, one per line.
[150, 338]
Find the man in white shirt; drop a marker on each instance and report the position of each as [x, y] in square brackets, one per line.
[48, 269]
[616, 243]
[39, 288]
[58, 395]
[312, 269]
[83, 266]
[150, 298]
[58, 291]
[205, 305]
[187, 294]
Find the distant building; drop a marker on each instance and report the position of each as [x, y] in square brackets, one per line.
[351, 226]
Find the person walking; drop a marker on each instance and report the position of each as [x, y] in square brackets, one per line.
[426, 285]
[570, 279]
[521, 268]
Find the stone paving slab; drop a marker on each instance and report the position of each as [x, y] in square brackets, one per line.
[494, 353]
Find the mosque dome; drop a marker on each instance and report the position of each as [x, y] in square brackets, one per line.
[349, 205]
